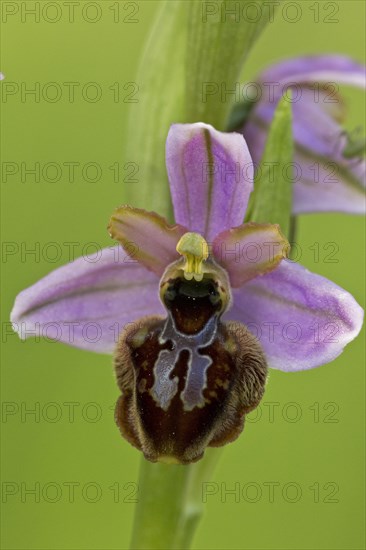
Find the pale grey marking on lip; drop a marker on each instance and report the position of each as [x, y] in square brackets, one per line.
[164, 388]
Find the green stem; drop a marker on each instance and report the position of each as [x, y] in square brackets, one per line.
[170, 503]
[200, 473]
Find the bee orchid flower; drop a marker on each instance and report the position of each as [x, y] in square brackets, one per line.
[187, 302]
[325, 165]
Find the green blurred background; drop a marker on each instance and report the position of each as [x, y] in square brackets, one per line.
[297, 484]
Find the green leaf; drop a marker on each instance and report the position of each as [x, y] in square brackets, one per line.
[183, 52]
[221, 34]
[160, 103]
[271, 200]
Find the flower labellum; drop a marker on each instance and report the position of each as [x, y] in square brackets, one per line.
[187, 381]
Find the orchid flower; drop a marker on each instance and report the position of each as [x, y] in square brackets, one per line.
[326, 177]
[188, 301]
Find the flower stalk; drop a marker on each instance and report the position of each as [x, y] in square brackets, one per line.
[161, 505]
[171, 505]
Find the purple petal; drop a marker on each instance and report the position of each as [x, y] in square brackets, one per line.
[322, 68]
[87, 304]
[328, 185]
[211, 177]
[301, 319]
[313, 127]
[324, 179]
[250, 250]
[146, 237]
